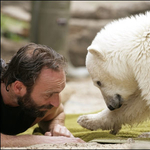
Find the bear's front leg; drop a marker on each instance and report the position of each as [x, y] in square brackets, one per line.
[105, 120]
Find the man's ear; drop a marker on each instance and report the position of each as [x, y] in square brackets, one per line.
[94, 51]
[19, 88]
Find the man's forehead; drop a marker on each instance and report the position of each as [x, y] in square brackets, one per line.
[51, 79]
[49, 73]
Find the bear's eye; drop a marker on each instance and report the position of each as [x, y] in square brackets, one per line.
[98, 83]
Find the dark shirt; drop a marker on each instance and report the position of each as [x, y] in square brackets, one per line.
[13, 120]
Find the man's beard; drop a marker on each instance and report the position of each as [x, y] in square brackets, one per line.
[29, 106]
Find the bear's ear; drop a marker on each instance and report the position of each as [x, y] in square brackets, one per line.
[96, 53]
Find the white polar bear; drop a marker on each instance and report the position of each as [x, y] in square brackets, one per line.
[118, 61]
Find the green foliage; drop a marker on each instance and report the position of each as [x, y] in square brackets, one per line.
[7, 23]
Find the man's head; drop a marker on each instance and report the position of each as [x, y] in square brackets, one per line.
[31, 64]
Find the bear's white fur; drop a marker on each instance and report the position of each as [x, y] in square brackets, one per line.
[119, 58]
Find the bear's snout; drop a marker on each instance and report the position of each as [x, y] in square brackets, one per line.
[115, 102]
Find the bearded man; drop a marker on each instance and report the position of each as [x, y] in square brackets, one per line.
[30, 87]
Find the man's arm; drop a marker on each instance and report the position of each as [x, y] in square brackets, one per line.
[53, 124]
[27, 140]
[54, 127]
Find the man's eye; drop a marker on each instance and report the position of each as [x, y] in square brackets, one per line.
[49, 95]
[98, 83]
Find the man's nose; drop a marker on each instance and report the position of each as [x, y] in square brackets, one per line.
[55, 101]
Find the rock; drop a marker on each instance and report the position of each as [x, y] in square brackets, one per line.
[107, 10]
[81, 34]
[16, 12]
[25, 5]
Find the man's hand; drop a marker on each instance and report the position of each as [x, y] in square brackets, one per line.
[59, 130]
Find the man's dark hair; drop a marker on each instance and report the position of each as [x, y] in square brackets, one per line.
[27, 63]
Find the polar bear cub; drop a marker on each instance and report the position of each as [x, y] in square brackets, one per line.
[118, 61]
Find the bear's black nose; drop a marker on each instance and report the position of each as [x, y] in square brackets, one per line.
[111, 108]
